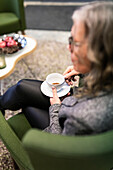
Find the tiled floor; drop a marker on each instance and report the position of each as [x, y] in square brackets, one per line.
[59, 36]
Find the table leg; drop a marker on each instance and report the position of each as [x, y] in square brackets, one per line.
[1, 87]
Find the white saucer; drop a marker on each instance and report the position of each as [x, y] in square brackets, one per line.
[46, 90]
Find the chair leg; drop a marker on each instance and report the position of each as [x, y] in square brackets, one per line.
[23, 32]
[15, 165]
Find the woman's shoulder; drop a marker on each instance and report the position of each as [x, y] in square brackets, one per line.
[103, 96]
[101, 103]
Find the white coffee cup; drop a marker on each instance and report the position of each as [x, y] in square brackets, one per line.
[55, 79]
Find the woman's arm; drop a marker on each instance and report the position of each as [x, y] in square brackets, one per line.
[54, 126]
[55, 102]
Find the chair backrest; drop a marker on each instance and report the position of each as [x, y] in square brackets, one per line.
[4, 6]
[56, 152]
[15, 7]
[9, 5]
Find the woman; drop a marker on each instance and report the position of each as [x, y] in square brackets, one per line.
[90, 109]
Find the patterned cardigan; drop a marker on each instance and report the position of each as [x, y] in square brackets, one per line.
[88, 115]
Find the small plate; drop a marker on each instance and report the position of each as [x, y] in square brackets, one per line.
[48, 92]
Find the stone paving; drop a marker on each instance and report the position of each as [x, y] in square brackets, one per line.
[50, 56]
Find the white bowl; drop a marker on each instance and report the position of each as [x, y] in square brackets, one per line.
[56, 80]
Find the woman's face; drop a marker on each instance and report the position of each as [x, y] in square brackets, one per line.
[78, 48]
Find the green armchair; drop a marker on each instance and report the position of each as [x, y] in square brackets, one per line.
[12, 16]
[34, 149]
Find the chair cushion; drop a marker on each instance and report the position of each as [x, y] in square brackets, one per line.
[9, 20]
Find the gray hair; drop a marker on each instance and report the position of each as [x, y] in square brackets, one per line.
[98, 20]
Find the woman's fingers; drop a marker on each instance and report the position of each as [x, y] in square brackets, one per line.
[69, 82]
[68, 70]
[55, 99]
[69, 75]
[54, 92]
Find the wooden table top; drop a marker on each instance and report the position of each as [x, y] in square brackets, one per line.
[12, 59]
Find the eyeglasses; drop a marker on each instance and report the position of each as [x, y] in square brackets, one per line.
[72, 42]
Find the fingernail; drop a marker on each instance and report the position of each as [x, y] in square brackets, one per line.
[53, 87]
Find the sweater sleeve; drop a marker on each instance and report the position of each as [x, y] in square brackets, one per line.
[54, 126]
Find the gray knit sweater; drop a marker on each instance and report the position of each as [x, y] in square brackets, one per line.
[82, 116]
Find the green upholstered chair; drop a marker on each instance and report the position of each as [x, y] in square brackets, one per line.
[12, 16]
[55, 152]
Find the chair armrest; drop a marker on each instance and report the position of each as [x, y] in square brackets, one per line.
[19, 10]
[19, 124]
[13, 144]
[69, 145]
[49, 151]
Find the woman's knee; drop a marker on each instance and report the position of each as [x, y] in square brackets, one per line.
[28, 88]
[20, 86]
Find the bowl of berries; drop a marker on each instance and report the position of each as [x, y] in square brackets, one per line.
[10, 45]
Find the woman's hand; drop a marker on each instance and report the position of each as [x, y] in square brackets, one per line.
[69, 74]
[55, 99]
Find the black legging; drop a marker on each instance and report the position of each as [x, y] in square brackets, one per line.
[26, 94]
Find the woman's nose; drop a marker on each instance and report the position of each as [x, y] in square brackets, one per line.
[69, 47]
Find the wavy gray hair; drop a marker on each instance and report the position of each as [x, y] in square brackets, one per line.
[98, 20]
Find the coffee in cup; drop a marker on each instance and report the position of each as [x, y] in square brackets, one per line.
[56, 80]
